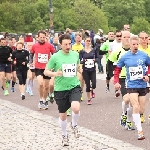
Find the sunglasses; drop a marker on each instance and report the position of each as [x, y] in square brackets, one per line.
[144, 38]
[118, 35]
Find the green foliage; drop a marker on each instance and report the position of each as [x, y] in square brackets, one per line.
[140, 24]
[33, 15]
[89, 16]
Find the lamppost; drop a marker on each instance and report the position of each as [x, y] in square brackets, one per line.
[51, 18]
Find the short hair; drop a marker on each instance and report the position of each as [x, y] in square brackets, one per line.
[117, 31]
[78, 34]
[20, 43]
[64, 37]
[2, 39]
[42, 32]
[110, 31]
[141, 32]
[134, 38]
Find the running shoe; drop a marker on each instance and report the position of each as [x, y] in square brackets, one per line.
[31, 93]
[129, 126]
[141, 135]
[82, 97]
[117, 93]
[6, 92]
[41, 105]
[107, 90]
[2, 87]
[12, 89]
[89, 102]
[123, 120]
[68, 112]
[7, 84]
[45, 105]
[142, 118]
[23, 97]
[27, 91]
[65, 141]
[52, 98]
[75, 131]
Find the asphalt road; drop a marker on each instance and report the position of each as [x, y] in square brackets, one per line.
[102, 116]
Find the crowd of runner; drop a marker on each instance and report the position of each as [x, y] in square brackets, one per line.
[66, 63]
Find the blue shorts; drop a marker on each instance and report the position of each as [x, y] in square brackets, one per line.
[5, 68]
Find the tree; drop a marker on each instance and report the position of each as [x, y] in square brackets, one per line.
[89, 16]
[140, 24]
[122, 12]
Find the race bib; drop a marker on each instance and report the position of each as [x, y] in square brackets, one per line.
[42, 58]
[32, 67]
[69, 70]
[136, 73]
[89, 63]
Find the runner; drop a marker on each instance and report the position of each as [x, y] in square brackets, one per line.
[135, 62]
[143, 36]
[87, 58]
[20, 58]
[114, 57]
[5, 65]
[42, 51]
[67, 91]
[31, 72]
[106, 47]
[13, 67]
[78, 46]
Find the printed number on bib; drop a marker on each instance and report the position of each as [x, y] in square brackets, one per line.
[69, 70]
[136, 73]
[89, 63]
[42, 58]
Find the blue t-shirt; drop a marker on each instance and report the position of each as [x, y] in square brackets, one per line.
[135, 68]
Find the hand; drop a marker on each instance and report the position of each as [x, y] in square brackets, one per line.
[9, 59]
[14, 62]
[145, 78]
[117, 86]
[59, 73]
[23, 63]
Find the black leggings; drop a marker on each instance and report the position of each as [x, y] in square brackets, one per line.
[89, 76]
[22, 76]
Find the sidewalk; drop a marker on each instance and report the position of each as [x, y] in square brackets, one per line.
[24, 129]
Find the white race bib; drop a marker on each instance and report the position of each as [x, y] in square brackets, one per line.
[42, 58]
[89, 63]
[32, 67]
[136, 73]
[69, 70]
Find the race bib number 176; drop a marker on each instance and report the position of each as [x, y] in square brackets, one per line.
[69, 70]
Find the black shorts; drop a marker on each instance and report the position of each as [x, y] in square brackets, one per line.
[32, 70]
[141, 91]
[13, 68]
[64, 98]
[123, 87]
[5, 68]
[40, 72]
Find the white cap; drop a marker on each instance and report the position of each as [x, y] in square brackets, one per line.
[100, 30]
[29, 33]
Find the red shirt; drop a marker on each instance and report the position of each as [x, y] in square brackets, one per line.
[13, 48]
[42, 54]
